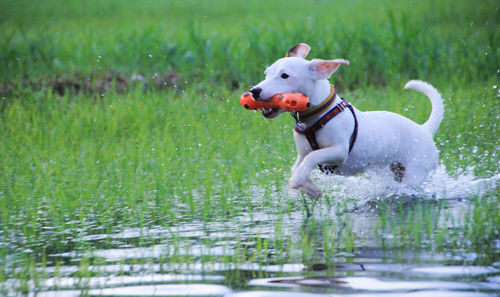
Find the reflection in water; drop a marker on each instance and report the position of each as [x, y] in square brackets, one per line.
[369, 236]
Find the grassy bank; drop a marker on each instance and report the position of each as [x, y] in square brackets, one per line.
[218, 43]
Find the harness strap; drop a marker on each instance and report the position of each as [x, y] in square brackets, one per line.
[354, 135]
[310, 132]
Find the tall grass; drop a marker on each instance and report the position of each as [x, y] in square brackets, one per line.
[82, 159]
[218, 43]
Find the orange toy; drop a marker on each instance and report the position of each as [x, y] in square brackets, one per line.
[287, 101]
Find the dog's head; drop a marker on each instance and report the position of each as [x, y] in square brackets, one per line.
[294, 74]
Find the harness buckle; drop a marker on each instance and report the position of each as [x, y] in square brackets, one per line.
[342, 105]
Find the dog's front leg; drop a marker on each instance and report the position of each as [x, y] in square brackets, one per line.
[335, 155]
[297, 163]
[308, 187]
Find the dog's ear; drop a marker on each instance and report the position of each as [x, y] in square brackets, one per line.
[300, 51]
[323, 69]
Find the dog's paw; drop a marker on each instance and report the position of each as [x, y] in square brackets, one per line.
[311, 190]
[295, 183]
[307, 187]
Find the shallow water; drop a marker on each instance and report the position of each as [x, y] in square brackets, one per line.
[273, 251]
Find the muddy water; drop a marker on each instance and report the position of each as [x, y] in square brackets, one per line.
[241, 256]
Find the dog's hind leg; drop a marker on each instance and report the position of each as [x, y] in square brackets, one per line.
[418, 168]
[415, 175]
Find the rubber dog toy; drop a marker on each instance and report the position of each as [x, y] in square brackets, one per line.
[287, 101]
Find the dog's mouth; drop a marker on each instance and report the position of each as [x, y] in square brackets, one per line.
[270, 113]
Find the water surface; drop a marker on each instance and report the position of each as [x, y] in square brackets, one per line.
[347, 244]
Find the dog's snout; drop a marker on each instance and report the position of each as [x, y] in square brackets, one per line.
[256, 92]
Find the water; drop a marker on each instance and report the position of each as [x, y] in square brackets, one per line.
[335, 248]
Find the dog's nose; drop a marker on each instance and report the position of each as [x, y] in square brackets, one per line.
[256, 92]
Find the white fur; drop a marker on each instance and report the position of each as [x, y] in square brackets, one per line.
[383, 137]
[436, 117]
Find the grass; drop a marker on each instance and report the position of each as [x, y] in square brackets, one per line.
[108, 155]
[403, 42]
[429, 226]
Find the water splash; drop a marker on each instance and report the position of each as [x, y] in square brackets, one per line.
[378, 185]
[443, 186]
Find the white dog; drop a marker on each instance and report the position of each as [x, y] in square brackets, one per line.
[340, 138]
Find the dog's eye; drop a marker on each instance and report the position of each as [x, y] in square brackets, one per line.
[285, 76]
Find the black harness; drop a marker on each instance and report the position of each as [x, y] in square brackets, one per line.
[310, 132]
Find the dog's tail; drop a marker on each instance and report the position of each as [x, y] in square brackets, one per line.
[436, 116]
